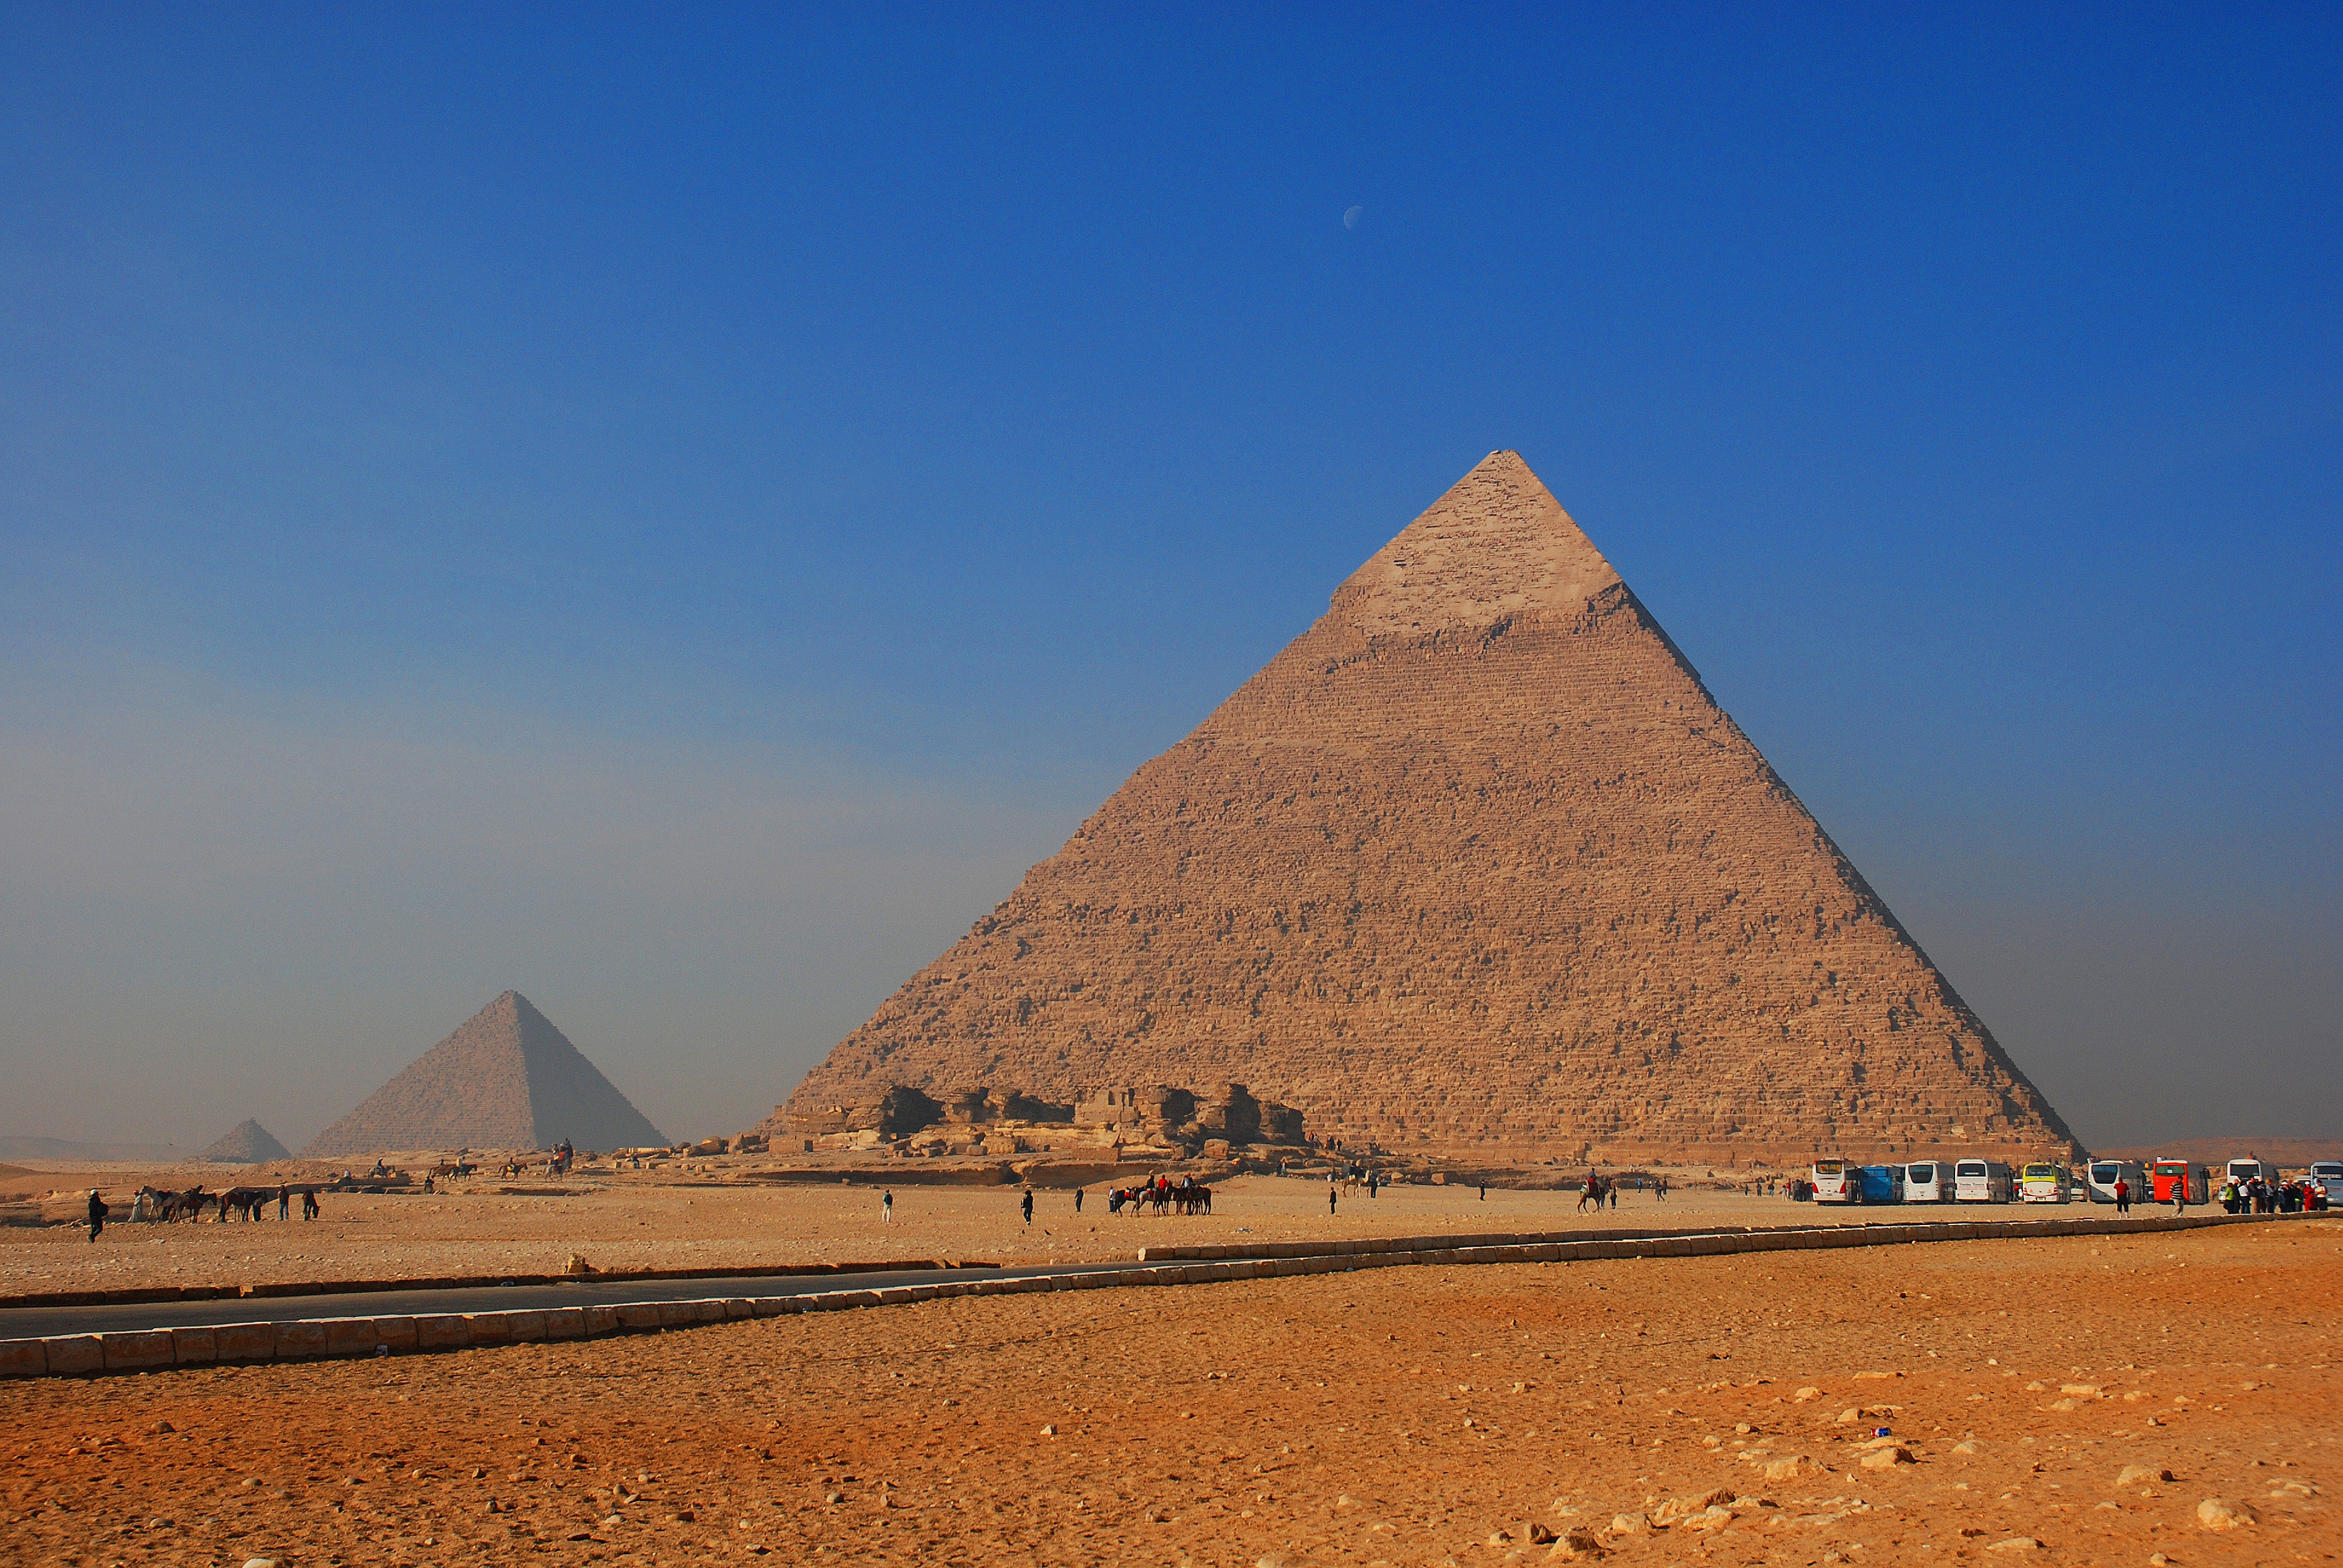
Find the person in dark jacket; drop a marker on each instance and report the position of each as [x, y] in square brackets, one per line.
[96, 1213]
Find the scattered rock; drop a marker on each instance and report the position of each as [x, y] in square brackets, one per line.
[260, 1562]
[1805, 1394]
[1539, 1535]
[2085, 1389]
[1967, 1445]
[1888, 1458]
[1049, 1430]
[1578, 1542]
[1795, 1467]
[2141, 1475]
[1849, 1413]
[1629, 1523]
[2217, 1513]
[2017, 1543]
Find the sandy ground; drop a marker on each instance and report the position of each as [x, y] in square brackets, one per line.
[1401, 1416]
[638, 1224]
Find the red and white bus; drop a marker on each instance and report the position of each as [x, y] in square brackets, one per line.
[1836, 1181]
[2179, 1182]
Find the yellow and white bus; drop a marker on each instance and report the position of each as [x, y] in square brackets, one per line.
[2043, 1181]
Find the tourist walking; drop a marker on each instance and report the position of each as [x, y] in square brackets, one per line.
[96, 1213]
[1333, 1192]
[285, 1200]
[886, 1207]
[1078, 1200]
[2123, 1196]
[1029, 1207]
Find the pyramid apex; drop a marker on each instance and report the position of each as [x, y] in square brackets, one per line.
[1496, 545]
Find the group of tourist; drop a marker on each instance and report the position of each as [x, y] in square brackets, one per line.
[157, 1205]
[2255, 1196]
[1159, 1190]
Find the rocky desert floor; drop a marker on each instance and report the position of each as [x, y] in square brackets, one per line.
[2090, 1400]
[487, 1228]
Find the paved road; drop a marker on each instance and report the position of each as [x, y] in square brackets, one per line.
[35, 1322]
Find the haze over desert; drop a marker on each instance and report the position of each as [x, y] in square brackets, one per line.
[1211, 788]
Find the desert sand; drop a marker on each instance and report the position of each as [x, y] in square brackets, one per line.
[535, 1226]
[2089, 1400]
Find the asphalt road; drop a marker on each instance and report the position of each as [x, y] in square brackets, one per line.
[36, 1322]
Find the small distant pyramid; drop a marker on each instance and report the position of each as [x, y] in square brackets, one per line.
[246, 1143]
[506, 1080]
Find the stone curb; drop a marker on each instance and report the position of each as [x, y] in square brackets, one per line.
[148, 1350]
[150, 1295]
[1752, 1238]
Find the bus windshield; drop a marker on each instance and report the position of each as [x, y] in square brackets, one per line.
[1830, 1167]
[2036, 1172]
[2104, 1174]
[1922, 1173]
[1969, 1168]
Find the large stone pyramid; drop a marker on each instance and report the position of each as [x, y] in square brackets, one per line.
[506, 1080]
[1477, 863]
[246, 1143]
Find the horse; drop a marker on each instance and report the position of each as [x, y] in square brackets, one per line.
[1193, 1200]
[244, 1201]
[169, 1206]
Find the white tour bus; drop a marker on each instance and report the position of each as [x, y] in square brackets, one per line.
[2101, 1176]
[1981, 1182]
[2245, 1168]
[2327, 1176]
[1928, 1182]
[1836, 1181]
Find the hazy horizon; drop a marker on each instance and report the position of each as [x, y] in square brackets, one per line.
[673, 516]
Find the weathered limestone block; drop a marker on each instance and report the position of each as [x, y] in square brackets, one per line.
[446, 1332]
[70, 1355]
[141, 1350]
[299, 1341]
[244, 1342]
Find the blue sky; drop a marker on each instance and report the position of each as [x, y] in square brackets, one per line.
[673, 511]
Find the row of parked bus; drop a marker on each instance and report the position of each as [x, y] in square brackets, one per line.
[2049, 1181]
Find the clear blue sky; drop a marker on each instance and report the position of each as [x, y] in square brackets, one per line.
[673, 509]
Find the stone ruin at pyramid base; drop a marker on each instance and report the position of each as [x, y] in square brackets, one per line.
[1158, 1123]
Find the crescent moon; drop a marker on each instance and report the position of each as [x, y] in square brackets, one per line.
[1350, 217]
